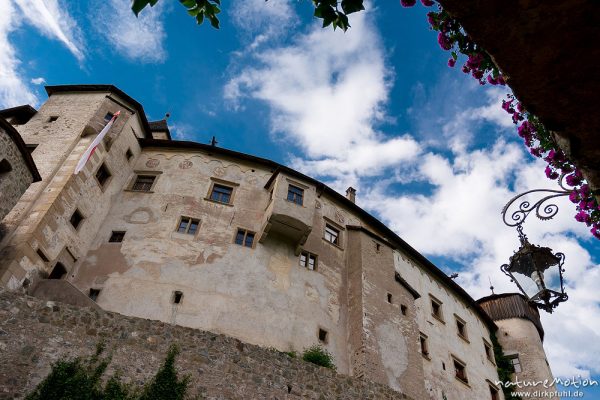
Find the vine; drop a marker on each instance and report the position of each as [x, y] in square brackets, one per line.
[505, 369]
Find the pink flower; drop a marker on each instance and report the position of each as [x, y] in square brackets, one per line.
[501, 80]
[431, 16]
[574, 196]
[573, 179]
[550, 173]
[408, 3]
[491, 80]
[427, 3]
[443, 41]
[451, 62]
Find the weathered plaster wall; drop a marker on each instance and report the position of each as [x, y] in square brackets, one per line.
[444, 341]
[12, 183]
[520, 336]
[35, 333]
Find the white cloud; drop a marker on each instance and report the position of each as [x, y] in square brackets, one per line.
[38, 81]
[263, 21]
[52, 19]
[13, 90]
[139, 39]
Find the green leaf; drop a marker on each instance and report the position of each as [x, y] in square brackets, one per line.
[351, 6]
[454, 55]
[214, 21]
[200, 18]
[188, 3]
[139, 5]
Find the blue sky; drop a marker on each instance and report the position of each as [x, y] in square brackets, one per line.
[429, 150]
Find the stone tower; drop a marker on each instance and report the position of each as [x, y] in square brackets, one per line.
[521, 336]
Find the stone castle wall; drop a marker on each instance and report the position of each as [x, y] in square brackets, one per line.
[35, 333]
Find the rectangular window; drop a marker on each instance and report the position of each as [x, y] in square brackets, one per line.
[53, 118]
[323, 335]
[489, 352]
[128, 154]
[116, 236]
[108, 116]
[460, 370]
[332, 235]
[436, 308]
[76, 219]
[461, 328]
[177, 297]
[308, 260]
[403, 309]
[188, 225]
[516, 363]
[42, 255]
[102, 175]
[244, 238]
[295, 194]
[143, 183]
[424, 346]
[221, 193]
[94, 293]
[494, 393]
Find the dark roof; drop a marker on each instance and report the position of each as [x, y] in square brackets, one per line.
[160, 126]
[322, 188]
[18, 140]
[104, 88]
[21, 114]
[511, 305]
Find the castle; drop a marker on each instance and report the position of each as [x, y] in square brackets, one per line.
[208, 238]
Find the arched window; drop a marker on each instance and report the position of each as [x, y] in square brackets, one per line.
[58, 272]
[5, 166]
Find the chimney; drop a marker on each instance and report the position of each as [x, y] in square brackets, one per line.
[351, 194]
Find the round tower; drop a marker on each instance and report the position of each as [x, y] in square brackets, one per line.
[521, 335]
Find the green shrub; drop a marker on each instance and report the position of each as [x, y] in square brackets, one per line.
[320, 356]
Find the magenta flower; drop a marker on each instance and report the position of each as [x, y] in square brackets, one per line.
[595, 231]
[443, 40]
[431, 16]
[451, 62]
[574, 196]
[573, 179]
[408, 3]
[491, 80]
[427, 3]
[550, 173]
[583, 216]
[501, 80]
[536, 151]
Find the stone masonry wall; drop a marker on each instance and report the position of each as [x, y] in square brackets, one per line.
[14, 183]
[35, 333]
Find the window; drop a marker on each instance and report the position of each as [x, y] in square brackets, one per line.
[332, 235]
[424, 346]
[42, 255]
[489, 352]
[53, 118]
[177, 297]
[377, 247]
[461, 328]
[389, 298]
[516, 363]
[31, 147]
[295, 194]
[94, 294]
[58, 272]
[460, 370]
[5, 166]
[244, 238]
[108, 116]
[323, 335]
[102, 175]
[436, 308]
[221, 193]
[493, 393]
[143, 183]
[128, 154]
[403, 309]
[116, 236]
[76, 219]
[308, 260]
[188, 225]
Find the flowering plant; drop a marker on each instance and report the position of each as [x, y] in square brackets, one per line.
[479, 64]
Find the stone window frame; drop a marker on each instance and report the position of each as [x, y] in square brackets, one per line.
[190, 222]
[5, 166]
[103, 185]
[338, 228]
[461, 332]
[177, 297]
[440, 307]
[494, 390]
[489, 355]
[297, 193]
[403, 309]
[221, 182]
[424, 345]
[136, 174]
[80, 220]
[117, 235]
[128, 154]
[94, 293]
[322, 335]
[42, 255]
[460, 373]
[515, 356]
[246, 232]
[308, 255]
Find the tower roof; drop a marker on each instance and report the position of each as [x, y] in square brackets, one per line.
[511, 305]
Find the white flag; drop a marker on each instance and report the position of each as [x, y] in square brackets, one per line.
[90, 150]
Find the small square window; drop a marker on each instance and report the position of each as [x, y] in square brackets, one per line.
[516, 363]
[436, 309]
[489, 352]
[94, 293]
[143, 183]
[53, 118]
[221, 193]
[177, 297]
[460, 370]
[42, 255]
[332, 235]
[424, 345]
[377, 247]
[108, 116]
[116, 236]
[188, 225]
[308, 260]
[76, 219]
[461, 328]
[403, 309]
[323, 335]
[128, 154]
[244, 238]
[295, 194]
[102, 175]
